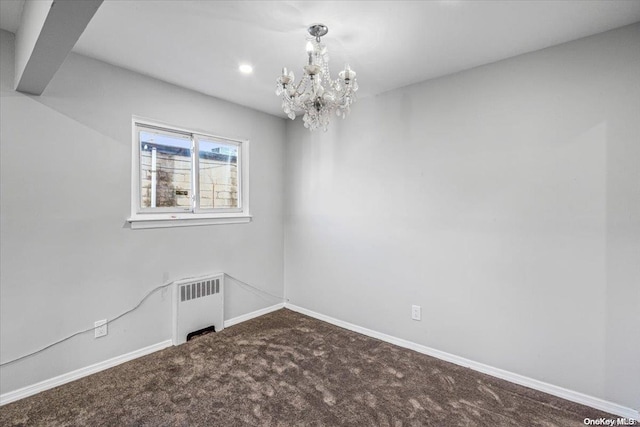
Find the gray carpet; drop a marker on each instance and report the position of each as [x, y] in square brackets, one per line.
[286, 369]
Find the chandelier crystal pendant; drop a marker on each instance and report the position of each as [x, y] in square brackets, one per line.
[316, 94]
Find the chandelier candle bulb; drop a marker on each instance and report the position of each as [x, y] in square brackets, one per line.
[309, 48]
[316, 94]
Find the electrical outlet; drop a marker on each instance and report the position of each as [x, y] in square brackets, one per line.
[416, 312]
[100, 328]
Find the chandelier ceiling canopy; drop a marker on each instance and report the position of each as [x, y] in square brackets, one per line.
[316, 93]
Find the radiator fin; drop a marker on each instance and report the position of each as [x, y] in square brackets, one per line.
[197, 290]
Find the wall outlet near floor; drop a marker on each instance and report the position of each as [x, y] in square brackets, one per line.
[100, 328]
[416, 312]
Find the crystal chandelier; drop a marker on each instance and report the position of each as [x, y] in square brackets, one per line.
[316, 94]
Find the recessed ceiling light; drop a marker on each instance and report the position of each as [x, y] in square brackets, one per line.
[245, 69]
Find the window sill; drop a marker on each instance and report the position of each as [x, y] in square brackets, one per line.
[178, 220]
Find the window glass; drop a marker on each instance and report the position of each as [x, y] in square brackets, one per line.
[218, 174]
[165, 170]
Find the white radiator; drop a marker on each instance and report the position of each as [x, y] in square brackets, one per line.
[197, 304]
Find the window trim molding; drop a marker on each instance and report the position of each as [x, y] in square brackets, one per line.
[179, 220]
[139, 220]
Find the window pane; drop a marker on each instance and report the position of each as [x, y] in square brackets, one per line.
[218, 174]
[165, 170]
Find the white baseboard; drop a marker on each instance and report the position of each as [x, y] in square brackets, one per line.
[27, 391]
[574, 396]
[252, 315]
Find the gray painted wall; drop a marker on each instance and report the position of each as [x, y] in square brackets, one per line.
[504, 200]
[68, 257]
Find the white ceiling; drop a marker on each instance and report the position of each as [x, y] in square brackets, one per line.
[199, 44]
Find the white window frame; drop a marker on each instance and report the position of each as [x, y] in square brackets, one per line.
[194, 215]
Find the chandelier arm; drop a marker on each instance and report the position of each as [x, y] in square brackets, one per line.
[285, 92]
[292, 100]
[299, 84]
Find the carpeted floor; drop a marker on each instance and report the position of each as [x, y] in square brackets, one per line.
[286, 369]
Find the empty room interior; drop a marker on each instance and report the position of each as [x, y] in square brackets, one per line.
[394, 213]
